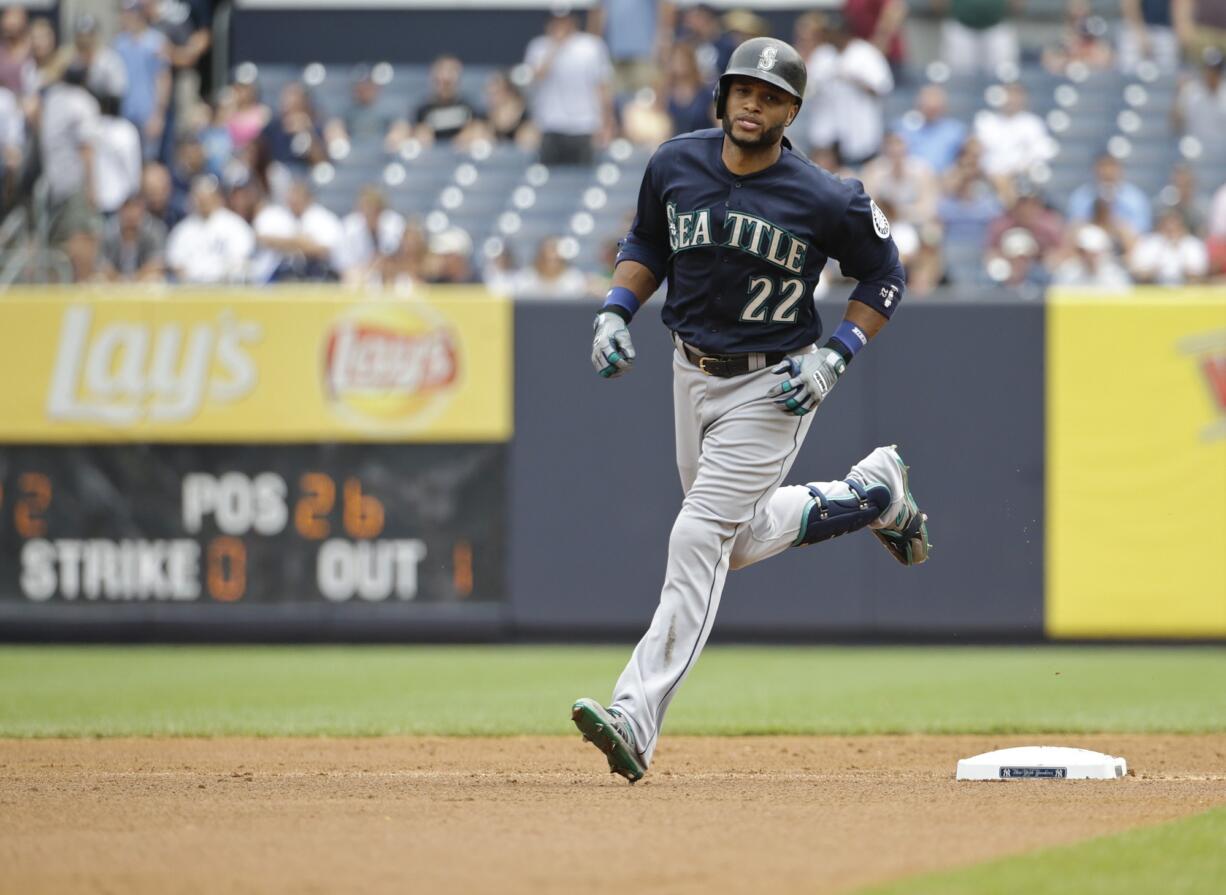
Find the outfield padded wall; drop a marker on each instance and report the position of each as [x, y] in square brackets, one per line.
[594, 486]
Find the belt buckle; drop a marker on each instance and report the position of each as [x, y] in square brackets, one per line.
[702, 364]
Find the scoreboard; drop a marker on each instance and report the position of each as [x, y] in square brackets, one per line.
[223, 525]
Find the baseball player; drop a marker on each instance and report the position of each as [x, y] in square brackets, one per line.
[741, 226]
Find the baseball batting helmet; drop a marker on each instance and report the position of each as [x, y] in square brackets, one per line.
[766, 59]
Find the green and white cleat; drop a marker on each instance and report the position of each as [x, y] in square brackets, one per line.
[906, 537]
[611, 734]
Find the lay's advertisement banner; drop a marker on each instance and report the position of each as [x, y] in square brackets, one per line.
[271, 365]
[1136, 464]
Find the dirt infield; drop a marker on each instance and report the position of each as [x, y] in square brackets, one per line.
[773, 814]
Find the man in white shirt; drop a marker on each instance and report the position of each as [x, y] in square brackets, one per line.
[369, 231]
[1170, 256]
[572, 101]
[1093, 263]
[849, 80]
[117, 157]
[213, 244]
[297, 239]
[1200, 105]
[1014, 138]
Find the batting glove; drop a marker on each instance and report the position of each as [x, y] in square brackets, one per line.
[812, 377]
[612, 350]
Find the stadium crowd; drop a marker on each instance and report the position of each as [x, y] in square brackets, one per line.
[144, 172]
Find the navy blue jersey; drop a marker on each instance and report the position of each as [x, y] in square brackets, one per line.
[742, 254]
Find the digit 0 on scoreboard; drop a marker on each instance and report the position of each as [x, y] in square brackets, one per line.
[34, 497]
[227, 569]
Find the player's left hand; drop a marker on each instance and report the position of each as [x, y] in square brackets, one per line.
[811, 378]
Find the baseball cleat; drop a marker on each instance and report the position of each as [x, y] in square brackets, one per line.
[611, 733]
[906, 537]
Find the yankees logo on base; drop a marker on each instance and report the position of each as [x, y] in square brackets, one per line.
[741, 226]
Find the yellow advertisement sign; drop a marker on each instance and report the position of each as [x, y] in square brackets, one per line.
[273, 365]
[1136, 464]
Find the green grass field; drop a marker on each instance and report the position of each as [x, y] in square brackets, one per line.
[274, 691]
[1187, 857]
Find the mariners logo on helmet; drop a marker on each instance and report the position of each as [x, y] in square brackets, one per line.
[767, 60]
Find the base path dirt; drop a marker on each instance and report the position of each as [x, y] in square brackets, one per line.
[540, 814]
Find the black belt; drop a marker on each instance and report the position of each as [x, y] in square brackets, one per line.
[727, 365]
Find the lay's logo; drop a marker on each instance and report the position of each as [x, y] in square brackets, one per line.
[1209, 351]
[390, 366]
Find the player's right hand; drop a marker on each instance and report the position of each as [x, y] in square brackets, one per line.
[811, 378]
[612, 350]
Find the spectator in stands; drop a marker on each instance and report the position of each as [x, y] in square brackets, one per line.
[880, 22]
[499, 268]
[363, 119]
[445, 113]
[144, 52]
[906, 182]
[549, 275]
[713, 46]
[134, 245]
[68, 127]
[572, 101]
[157, 189]
[117, 157]
[190, 164]
[45, 55]
[296, 240]
[369, 231]
[1024, 241]
[248, 116]
[1092, 262]
[1083, 42]
[638, 34]
[808, 32]
[1122, 234]
[828, 159]
[245, 198]
[924, 260]
[977, 36]
[1200, 106]
[212, 244]
[17, 71]
[644, 121]
[1200, 25]
[449, 259]
[1182, 194]
[1216, 242]
[187, 25]
[209, 125]
[1013, 139]
[403, 270]
[1147, 35]
[742, 25]
[1170, 256]
[686, 95]
[107, 74]
[848, 80]
[506, 116]
[1124, 200]
[12, 147]
[293, 140]
[970, 201]
[930, 132]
